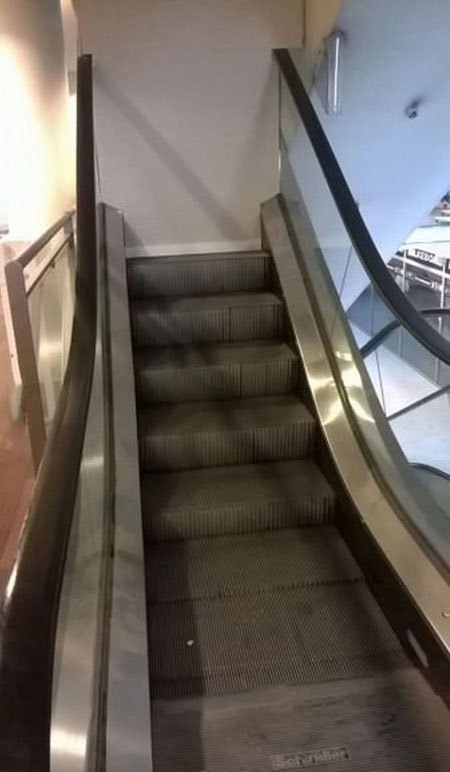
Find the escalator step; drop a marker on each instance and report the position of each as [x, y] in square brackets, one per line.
[241, 431]
[235, 499]
[388, 723]
[289, 636]
[231, 566]
[199, 274]
[218, 371]
[213, 318]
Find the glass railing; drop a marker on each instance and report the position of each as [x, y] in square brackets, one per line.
[40, 292]
[50, 303]
[412, 384]
[408, 364]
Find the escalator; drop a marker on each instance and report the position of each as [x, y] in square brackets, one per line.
[267, 648]
[229, 562]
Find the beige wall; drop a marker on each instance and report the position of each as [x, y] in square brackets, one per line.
[36, 152]
[320, 17]
[187, 114]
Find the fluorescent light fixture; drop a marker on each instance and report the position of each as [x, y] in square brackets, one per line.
[334, 45]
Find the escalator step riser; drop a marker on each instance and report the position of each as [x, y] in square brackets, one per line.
[303, 635]
[178, 523]
[217, 382]
[207, 325]
[222, 448]
[197, 275]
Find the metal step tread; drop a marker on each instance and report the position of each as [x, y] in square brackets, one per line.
[211, 355]
[194, 304]
[235, 499]
[392, 722]
[199, 274]
[247, 564]
[203, 257]
[224, 416]
[220, 486]
[288, 636]
[215, 371]
[170, 321]
[238, 431]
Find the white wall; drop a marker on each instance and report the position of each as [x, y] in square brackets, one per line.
[187, 114]
[71, 47]
[36, 155]
[397, 168]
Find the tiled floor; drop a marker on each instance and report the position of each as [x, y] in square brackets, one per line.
[16, 471]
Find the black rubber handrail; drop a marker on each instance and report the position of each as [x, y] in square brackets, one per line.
[385, 331]
[360, 237]
[29, 610]
[432, 470]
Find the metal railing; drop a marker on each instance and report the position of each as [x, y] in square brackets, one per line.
[22, 277]
[29, 612]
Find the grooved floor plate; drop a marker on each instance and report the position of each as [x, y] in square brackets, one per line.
[235, 499]
[251, 563]
[389, 723]
[216, 318]
[239, 431]
[288, 636]
[199, 274]
[220, 371]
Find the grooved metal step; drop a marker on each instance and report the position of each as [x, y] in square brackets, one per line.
[235, 499]
[243, 602]
[288, 636]
[213, 318]
[242, 431]
[230, 566]
[218, 371]
[393, 722]
[199, 274]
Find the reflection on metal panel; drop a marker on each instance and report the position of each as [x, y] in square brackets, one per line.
[101, 709]
[370, 463]
[79, 637]
[128, 741]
